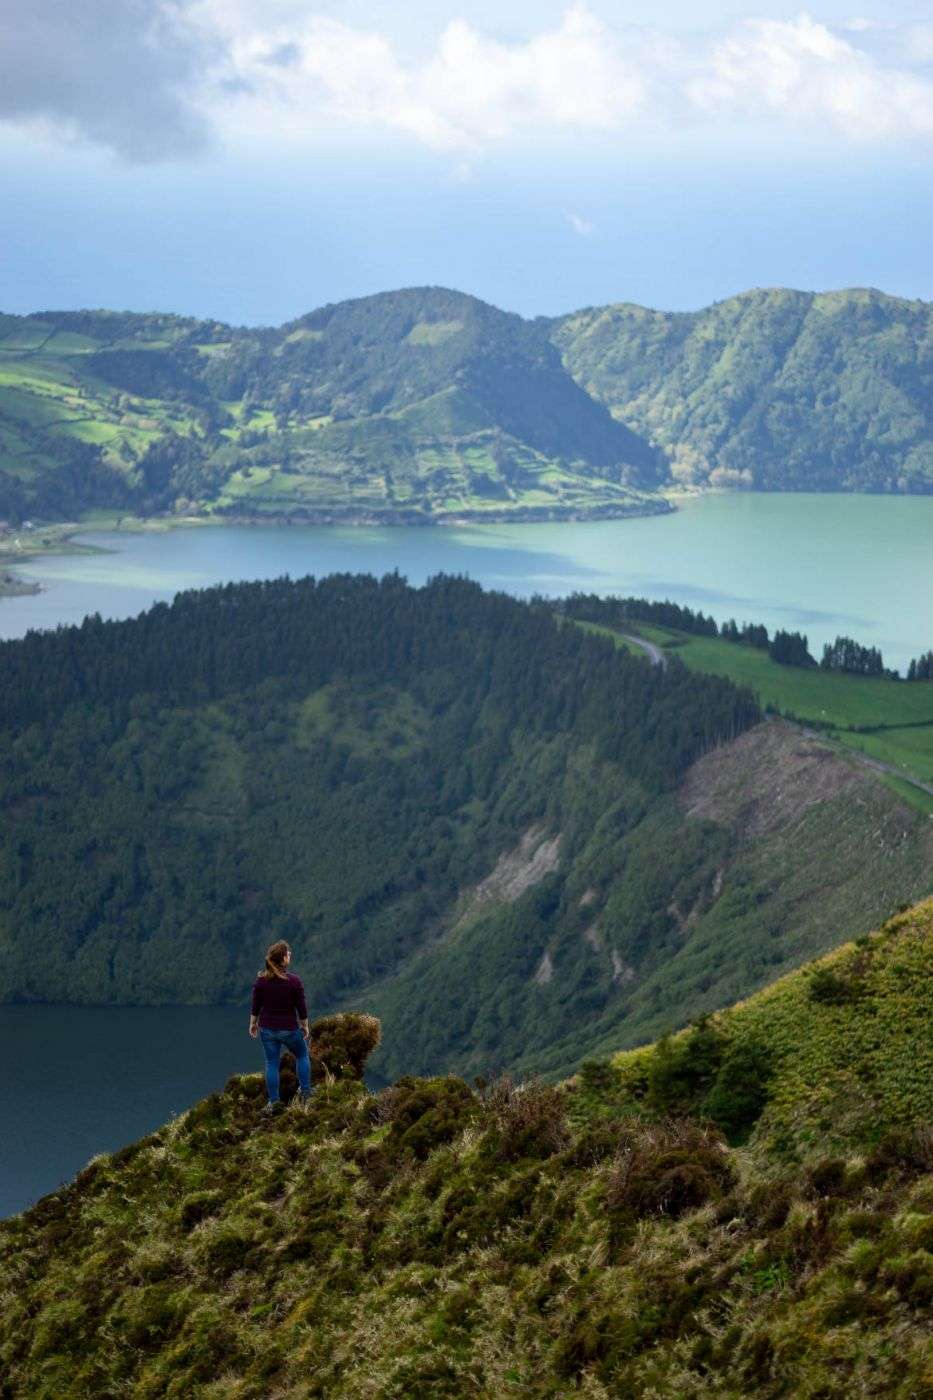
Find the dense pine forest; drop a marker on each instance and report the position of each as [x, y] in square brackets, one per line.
[331, 762]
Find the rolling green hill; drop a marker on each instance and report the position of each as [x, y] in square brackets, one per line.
[408, 406]
[774, 389]
[439, 1240]
[515, 843]
[426, 404]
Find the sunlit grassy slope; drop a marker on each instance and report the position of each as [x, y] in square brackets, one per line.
[437, 1240]
[846, 1042]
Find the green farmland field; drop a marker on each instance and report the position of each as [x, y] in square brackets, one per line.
[891, 721]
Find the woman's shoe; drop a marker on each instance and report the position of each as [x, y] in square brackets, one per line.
[272, 1108]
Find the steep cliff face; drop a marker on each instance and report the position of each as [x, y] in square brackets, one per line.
[442, 1240]
[774, 849]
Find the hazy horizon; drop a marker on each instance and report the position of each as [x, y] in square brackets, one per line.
[388, 291]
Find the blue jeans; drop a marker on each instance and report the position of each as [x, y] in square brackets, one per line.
[273, 1043]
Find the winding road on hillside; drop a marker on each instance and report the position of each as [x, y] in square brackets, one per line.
[654, 653]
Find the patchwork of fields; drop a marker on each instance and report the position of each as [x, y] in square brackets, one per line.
[393, 408]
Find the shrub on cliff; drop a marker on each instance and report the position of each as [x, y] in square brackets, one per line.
[340, 1045]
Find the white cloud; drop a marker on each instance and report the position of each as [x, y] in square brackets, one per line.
[281, 70]
[801, 72]
[580, 77]
[470, 91]
[580, 225]
[918, 43]
[860, 25]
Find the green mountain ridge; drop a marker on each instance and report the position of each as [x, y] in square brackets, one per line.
[427, 404]
[517, 844]
[773, 389]
[439, 1240]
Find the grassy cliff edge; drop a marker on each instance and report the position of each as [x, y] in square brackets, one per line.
[442, 1240]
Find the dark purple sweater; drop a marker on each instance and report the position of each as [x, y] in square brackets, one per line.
[279, 1002]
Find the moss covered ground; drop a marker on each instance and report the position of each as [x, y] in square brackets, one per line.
[594, 1239]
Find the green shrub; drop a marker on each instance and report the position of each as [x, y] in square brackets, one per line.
[60, 1328]
[198, 1206]
[907, 1151]
[740, 1089]
[209, 1110]
[827, 1177]
[526, 1119]
[340, 1045]
[148, 1317]
[768, 1204]
[829, 989]
[912, 1276]
[245, 1088]
[225, 1251]
[425, 1113]
[593, 1143]
[667, 1169]
[860, 1224]
[597, 1077]
[681, 1071]
[476, 1211]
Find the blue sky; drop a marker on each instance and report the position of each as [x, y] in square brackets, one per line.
[251, 159]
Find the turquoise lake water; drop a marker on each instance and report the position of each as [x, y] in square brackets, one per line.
[824, 564]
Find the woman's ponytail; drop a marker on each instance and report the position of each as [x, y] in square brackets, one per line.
[275, 960]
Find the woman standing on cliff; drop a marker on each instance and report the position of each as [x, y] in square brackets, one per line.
[279, 1016]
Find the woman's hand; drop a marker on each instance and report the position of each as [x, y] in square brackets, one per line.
[253, 1027]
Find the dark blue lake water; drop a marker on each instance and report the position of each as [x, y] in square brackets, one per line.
[76, 1081]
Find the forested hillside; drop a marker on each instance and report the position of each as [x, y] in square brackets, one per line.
[446, 1240]
[778, 390]
[426, 404]
[509, 839]
[407, 406]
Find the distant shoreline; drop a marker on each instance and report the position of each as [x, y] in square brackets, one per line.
[12, 586]
[521, 515]
[58, 538]
[27, 543]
